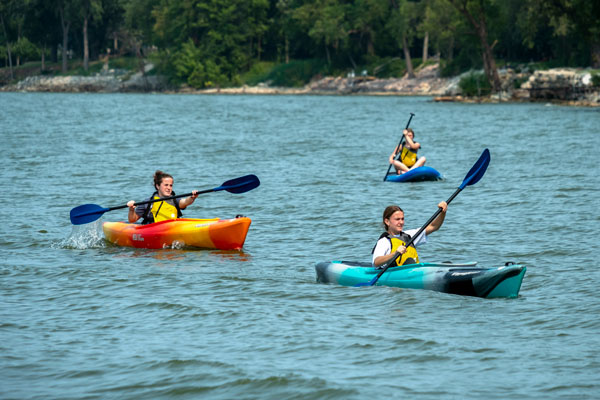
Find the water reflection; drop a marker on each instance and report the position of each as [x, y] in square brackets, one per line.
[179, 254]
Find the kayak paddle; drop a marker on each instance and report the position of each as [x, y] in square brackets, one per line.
[90, 212]
[399, 144]
[473, 176]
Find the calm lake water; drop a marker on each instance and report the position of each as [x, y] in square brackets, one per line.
[81, 319]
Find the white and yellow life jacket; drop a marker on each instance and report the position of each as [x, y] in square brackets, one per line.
[410, 256]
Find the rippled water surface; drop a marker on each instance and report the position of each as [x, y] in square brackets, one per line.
[81, 319]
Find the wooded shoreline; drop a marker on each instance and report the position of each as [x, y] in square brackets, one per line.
[562, 85]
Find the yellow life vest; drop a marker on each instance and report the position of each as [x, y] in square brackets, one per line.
[411, 256]
[163, 211]
[408, 156]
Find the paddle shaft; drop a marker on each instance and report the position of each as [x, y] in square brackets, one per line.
[86, 213]
[224, 187]
[399, 144]
[161, 199]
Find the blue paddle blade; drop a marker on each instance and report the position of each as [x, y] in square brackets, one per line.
[86, 213]
[478, 170]
[240, 185]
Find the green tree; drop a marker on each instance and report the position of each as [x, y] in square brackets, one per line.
[257, 24]
[442, 20]
[6, 10]
[139, 20]
[218, 36]
[575, 28]
[12, 16]
[366, 20]
[24, 49]
[67, 10]
[402, 25]
[90, 9]
[42, 28]
[325, 22]
[475, 11]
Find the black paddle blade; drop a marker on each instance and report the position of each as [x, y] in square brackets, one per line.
[478, 170]
[240, 185]
[86, 213]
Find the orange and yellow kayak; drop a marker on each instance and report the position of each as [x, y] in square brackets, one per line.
[215, 233]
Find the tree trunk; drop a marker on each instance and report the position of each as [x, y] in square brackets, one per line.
[287, 50]
[141, 64]
[425, 47]
[370, 45]
[7, 49]
[409, 67]
[65, 43]
[44, 57]
[489, 63]
[86, 47]
[595, 56]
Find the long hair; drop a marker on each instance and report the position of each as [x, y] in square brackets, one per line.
[388, 212]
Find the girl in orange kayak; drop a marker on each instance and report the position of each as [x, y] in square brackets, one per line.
[160, 210]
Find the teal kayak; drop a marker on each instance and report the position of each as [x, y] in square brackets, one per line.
[462, 279]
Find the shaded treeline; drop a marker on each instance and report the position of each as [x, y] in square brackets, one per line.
[214, 42]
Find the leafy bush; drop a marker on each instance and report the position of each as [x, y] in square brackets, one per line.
[519, 81]
[296, 73]
[596, 80]
[199, 72]
[258, 73]
[129, 62]
[475, 84]
[26, 50]
[389, 67]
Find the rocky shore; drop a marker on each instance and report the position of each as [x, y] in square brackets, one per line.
[566, 86]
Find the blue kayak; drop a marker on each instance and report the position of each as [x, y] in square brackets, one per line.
[418, 174]
[462, 279]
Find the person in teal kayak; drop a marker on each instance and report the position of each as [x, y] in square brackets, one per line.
[160, 210]
[408, 154]
[392, 241]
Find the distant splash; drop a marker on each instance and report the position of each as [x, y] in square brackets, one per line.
[85, 237]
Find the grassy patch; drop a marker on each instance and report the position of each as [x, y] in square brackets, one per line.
[296, 73]
[94, 67]
[258, 73]
[131, 63]
[475, 84]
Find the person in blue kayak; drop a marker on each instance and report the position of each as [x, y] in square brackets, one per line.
[160, 210]
[392, 242]
[408, 154]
